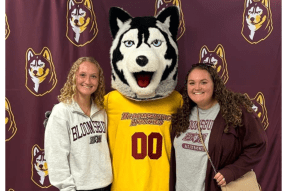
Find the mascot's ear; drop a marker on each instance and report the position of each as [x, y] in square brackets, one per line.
[170, 17]
[117, 17]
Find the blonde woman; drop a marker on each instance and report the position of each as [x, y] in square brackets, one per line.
[76, 147]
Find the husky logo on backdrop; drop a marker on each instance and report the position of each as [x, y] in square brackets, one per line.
[7, 29]
[217, 58]
[257, 21]
[144, 53]
[81, 22]
[10, 124]
[260, 108]
[39, 168]
[40, 72]
[162, 4]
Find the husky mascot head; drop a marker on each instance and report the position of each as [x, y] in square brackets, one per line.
[40, 72]
[40, 174]
[257, 20]
[259, 108]
[217, 58]
[162, 4]
[7, 29]
[10, 124]
[144, 53]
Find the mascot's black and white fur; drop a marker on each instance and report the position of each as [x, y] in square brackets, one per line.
[144, 54]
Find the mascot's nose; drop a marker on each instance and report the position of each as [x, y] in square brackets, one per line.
[142, 60]
[76, 21]
[41, 166]
[35, 72]
[252, 19]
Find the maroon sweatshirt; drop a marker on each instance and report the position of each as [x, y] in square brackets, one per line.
[234, 153]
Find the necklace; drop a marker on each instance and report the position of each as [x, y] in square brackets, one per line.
[85, 107]
[87, 112]
[201, 139]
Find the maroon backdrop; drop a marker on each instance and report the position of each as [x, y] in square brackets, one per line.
[38, 35]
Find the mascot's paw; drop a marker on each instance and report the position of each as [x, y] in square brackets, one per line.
[47, 115]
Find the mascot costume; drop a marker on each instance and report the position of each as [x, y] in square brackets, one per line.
[144, 61]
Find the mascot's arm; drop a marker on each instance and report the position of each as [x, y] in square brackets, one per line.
[181, 101]
[112, 123]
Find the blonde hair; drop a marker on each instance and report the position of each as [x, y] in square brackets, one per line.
[69, 89]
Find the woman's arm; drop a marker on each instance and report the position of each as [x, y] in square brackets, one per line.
[57, 150]
[254, 143]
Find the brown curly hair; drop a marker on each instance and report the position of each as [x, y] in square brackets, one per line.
[230, 103]
[69, 89]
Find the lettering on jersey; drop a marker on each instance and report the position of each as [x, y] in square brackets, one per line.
[143, 145]
[88, 128]
[145, 118]
[96, 139]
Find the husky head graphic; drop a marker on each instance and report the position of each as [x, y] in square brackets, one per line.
[162, 4]
[260, 108]
[217, 58]
[10, 124]
[257, 20]
[40, 72]
[144, 53]
[39, 168]
[81, 22]
[7, 29]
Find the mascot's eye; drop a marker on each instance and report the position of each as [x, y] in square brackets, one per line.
[129, 43]
[156, 43]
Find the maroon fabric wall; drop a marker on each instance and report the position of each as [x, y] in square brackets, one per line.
[214, 31]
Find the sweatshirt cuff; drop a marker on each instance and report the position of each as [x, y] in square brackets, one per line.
[68, 189]
[227, 174]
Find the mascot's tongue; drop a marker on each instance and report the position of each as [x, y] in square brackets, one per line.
[143, 78]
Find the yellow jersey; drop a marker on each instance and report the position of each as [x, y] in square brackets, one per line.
[139, 140]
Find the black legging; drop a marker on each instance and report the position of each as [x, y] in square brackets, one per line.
[108, 188]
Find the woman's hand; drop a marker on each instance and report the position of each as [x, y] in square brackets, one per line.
[220, 179]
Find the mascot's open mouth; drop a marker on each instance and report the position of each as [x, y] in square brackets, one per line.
[143, 78]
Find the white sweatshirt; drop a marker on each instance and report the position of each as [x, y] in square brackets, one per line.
[76, 148]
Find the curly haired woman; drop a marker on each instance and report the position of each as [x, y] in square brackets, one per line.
[232, 133]
[76, 147]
